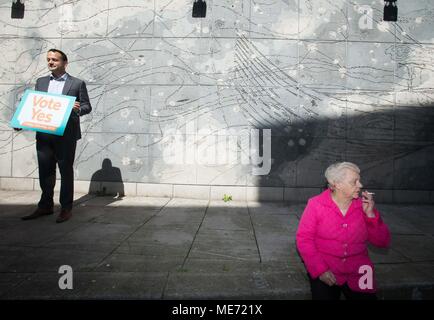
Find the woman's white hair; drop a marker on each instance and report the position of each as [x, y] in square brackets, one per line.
[336, 172]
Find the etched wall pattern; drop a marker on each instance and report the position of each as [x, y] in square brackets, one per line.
[175, 98]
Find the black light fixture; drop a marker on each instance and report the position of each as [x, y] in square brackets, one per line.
[17, 11]
[199, 9]
[390, 10]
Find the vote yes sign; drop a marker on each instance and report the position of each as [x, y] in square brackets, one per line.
[44, 112]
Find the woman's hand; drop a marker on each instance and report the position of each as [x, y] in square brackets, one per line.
[368, 204]
[328, 278]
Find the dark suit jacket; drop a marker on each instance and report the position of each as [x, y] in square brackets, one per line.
[76, 88]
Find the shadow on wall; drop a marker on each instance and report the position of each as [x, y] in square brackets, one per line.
[107, 181]
[394, 147]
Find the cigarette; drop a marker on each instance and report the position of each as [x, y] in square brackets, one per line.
[370, 192]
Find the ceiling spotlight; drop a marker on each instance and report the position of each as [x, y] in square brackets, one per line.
[199, 9]
[17, 9]
[390, 10]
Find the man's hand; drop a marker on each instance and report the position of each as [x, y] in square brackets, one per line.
[328, 278]
[76, 107]
[368, 204]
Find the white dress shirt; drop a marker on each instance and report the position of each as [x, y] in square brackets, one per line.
[56, 84]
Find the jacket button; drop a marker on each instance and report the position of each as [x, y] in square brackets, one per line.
[344, 225]
[345, 245]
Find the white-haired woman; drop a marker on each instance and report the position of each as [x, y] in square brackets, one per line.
[333, 234]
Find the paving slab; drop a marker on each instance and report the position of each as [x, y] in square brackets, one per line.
[187, 203]
[8, 281]
[414, 247]
[33, 197]
[162, 241]
[153, 250]
[118, 262]
[276, 222]
[95, 285]
[400, 226]
[297, 209]
[386, 255]
[23, 197]
[117, 215]
[267, 208]
[252, 285]
[98, 237]
[87, 213]
[417, 216]
[225, 244]
[227, 221]
[13, 196]
[124, 215]
[403, 273]
[40, 286]
[160, 248]
[10, 255]
[164, 235]
[176, 219]
[239, 266]
[231, 207]
[113, 201]
[119, 285]
[275, 246]
[141, 202]
[34, 232]
[50, 259]
[14, 211]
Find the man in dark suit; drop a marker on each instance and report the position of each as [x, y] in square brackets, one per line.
[52, 149]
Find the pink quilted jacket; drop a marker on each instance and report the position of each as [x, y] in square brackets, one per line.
[327, 240]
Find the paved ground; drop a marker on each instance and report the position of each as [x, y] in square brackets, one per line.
[160, 248]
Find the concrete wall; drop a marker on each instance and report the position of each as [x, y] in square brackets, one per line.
[176, 98]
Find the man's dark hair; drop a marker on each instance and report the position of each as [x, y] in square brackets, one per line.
[64, 57]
